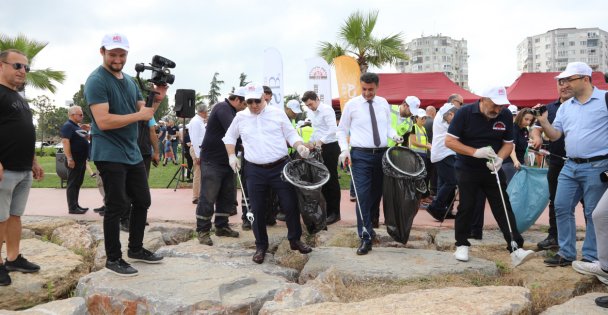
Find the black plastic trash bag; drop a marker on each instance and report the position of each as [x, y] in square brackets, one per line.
[404, 175]
[308, 176]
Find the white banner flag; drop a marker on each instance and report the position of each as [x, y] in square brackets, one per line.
[273, 76]
[319, 78]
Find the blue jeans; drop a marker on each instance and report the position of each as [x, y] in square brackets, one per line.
[368, 177]
[576, 181]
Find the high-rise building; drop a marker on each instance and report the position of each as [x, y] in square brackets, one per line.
[553, 50]
[438, 53]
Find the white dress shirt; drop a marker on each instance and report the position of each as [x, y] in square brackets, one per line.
[356, 121]
[324, 124]
[263, 135]
[438, 150]
[196, 129]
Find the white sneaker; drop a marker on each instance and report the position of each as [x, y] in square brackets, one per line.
[592, 269]
[462, 253]
[520, 256]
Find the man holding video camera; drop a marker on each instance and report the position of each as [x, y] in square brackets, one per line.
[583, 120]
[117, 106]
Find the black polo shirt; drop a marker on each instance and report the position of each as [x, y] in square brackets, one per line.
[557, 147]
[213, 148]
[474, 129]
[79, 144]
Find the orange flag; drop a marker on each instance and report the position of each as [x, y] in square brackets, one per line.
[348, 77]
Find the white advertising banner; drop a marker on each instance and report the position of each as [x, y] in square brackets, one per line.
[273, 76]
[319, 78]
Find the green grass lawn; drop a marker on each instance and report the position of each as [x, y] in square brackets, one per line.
[159, 176]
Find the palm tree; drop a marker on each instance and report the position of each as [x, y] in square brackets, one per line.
[42, 78]
[356, 39]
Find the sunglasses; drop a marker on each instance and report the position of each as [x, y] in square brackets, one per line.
[254, 100]
[563, 81]
[18, 66]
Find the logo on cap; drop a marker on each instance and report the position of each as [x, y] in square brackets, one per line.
[501, 92]
[117, 39]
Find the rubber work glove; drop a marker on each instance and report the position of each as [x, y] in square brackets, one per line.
[344, 157]
[303, 151]
[494, 164]
[485, 153]
[234, 162]
[398, 139]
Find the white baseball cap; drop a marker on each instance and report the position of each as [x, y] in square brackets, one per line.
[294, 105]
[575, 68]
[413, 102]
[253, 90]
[240, 91]
[498, 95]
[513, 109]
[420, 112]
[445, 108]
[114, 41]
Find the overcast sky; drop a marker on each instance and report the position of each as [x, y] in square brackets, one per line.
[229, 37]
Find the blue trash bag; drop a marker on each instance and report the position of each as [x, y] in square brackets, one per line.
[529, 195]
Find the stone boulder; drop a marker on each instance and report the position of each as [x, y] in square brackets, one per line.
[284, 256]
[584, 304]
[179, 286]
[173, 233]
[44, 226]
[380, 264]
[74, 237]
[60, 270]
[454, 300]
[71, 306]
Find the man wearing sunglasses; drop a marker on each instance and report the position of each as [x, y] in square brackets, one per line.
[17, 161]
[264, 130]
[117, 106]
[583, 120]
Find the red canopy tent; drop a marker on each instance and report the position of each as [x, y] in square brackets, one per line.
[532, 88]
[432, 88]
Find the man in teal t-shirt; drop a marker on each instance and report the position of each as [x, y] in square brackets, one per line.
[116, 106]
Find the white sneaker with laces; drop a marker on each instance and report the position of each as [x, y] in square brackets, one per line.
[520, 256]
[462, 253]
[592, 269]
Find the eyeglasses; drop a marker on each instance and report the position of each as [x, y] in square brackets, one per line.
[567, 80]
[18, 66]
[252, 100]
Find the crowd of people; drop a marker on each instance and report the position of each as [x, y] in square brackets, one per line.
[470, 152]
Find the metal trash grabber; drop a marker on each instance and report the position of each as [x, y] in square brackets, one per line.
[364, 229]
[514, 246]
[450, 206]
[249, 213]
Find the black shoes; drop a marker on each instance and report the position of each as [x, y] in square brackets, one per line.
[602, 301]
[281, 216]
[436, 215]
[5, 279]
[204, 237]
[226, 231]
[21, 264]
[259, 256]
[246, 225]
[332, 218]
[300, 246]
[364, 248]
[195, 201]
[145, 255]
[101, 210]
[78, 210]
[557, 261]
[121, 268]
[549, 243]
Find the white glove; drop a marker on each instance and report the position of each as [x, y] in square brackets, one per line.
[494, 166]
[398, 139]
[344, 156]
[303, 151]
[485, 153]
[234, 162]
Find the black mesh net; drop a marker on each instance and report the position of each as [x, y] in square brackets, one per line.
[404, 175]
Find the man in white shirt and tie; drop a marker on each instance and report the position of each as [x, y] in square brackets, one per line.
[367, 119]
[324, 136]
[264, 131]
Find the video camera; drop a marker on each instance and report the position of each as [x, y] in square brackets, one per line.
[538, 111]
[161, 75]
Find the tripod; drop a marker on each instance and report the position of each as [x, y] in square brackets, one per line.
[183, 167]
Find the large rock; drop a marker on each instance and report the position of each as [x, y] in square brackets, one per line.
[276, 234]
[173, 233]
[454, 300]
[234, 257]
[74, 237]
[152, 242]
[44, 226]
[179, 286]
[284, 256]
[71, 306]
[380, 264]
[584, 304]
[60, 270]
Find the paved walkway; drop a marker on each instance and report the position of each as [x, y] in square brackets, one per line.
[177, 205]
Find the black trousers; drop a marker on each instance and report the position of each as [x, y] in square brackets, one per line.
[124, 218]
[75, 178]
[469, 184]
[552, 175]
[216, 195]
[124, 185]
[331, 190]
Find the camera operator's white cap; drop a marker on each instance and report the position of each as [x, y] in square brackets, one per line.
[498, 95]
[114, 41]
[240, 91]
[575, 68]
[413, 102]
[253, 90]
[513, 109]
[294, 105]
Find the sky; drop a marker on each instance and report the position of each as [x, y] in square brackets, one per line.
[230, 36]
